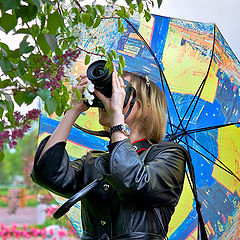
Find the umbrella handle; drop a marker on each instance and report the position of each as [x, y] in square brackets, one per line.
[75, 198]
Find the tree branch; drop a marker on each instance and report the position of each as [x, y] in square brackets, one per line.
[80, 7]
[92, 53]
[35, 41]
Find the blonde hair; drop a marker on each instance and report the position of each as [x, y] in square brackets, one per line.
[152, 107]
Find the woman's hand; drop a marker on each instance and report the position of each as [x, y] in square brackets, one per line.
[114, 105]
[79, 106]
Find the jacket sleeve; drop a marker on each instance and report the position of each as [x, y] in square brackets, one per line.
[55, 172]
[155, 182]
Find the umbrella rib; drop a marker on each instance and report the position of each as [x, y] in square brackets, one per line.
[160, 69]
[225, 168]
[201, 225]
[206, 129]
[207, 158]
[200, 89]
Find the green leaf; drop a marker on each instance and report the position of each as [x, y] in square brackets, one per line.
[41, 40]
[121, 13]
[59, 111]
[1, 156]
[97, 22]
[147, 15]
[133, 6]
[78, 93]
[43, 21]
[87, 59]
[120, 69]
[110, 69]
[51, 40]
[44, 94]
[114, 54]
[36, 3]
[35, 30]
[121, 60]
[25, 48]
[1, 110]
[120, 26]
[9, 104]
[49, 2]
[50, 105]
[5, 49]
[87, 19]
[89, 9]
[58, 51]
[109, 65]
[21, 66]
[54, 21]
[5, 65]
[159, 3]
[102, 49]
[18, 97]
[140, 7]
[1, 127]
[8, 22]
[23, 31]
[101, 9]
[10, 4]
[6, 83]
[21, 97]
[94, 12]
[65, 96]
[29, 97]
[3, 105]
[56, 96]
[27, 13]
[110, 55]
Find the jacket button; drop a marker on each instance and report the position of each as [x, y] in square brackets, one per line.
[103, 223]
[106, 187]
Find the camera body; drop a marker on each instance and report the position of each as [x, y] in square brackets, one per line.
[102, 81]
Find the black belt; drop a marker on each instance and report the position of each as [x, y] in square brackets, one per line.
[127, 236]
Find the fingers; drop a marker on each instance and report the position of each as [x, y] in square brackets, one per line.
[82, 83]
[100, 96]
[82, 80]
[117, 82]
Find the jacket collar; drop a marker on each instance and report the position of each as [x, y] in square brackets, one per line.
[141, 145]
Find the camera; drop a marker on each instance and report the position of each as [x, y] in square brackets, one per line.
[102, 81]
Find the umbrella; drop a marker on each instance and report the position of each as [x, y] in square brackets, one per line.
[200, 75]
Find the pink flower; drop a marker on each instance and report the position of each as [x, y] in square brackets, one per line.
[3, 226]
[62, 233]
[51, 231]
[43, 232]
[25, 227]
[70, 232]
[50, 210]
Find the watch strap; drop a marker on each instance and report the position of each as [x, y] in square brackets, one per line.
[116, 128]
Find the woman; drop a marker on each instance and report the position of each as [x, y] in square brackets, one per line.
[140, 188]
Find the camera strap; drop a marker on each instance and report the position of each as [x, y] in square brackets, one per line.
[133, 100]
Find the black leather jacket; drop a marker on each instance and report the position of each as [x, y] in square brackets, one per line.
[137, 196]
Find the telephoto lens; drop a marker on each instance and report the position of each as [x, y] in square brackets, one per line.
[102, 81]
[100, 77]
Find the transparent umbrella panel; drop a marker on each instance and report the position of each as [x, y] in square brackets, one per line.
[200, 75]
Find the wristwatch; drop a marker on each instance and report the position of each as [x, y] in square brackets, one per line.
[122, 128]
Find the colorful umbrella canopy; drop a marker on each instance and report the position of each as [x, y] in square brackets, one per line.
[200, 75]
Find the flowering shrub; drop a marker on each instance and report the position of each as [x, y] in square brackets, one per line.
[27, 232]
[22, 125]
[51, 209]
[37, 68]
